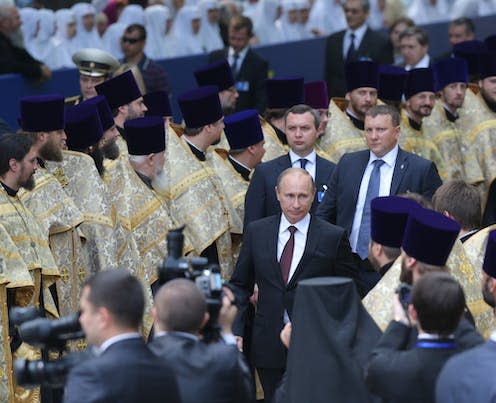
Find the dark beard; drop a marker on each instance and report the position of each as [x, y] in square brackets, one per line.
[406, 275]
[487, 296]
[97, 156]
[110, 150]
[29, 184]
[50, 152]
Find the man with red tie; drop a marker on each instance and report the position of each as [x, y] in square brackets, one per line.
[277, 252]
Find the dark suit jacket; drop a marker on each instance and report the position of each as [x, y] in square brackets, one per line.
[127, 372]
[468, 377]
[210, 373]
[254, 71]
[327, 253]
[399, 375]
[411, 174]
[374, 46]
[261, 200]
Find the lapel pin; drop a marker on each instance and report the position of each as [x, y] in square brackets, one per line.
[402, 166]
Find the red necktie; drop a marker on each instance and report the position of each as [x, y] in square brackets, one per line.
[287, 255]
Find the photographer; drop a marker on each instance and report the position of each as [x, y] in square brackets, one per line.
[123, 368]
[437, 306]
[211, 372]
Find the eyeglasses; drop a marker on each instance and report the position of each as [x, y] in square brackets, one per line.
[131, 41]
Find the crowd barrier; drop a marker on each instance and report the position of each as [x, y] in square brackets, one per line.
[304, 58]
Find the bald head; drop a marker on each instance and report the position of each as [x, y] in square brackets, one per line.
[180, 306]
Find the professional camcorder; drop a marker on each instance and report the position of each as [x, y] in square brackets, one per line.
[49, 335]
[206, 276]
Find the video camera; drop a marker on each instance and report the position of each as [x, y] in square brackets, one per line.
[49, 335]
[207, 278]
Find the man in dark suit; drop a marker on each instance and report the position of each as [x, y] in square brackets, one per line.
[355, 43]
[478, 364]
[399, 375]
[354, 184]
[277, 252]
[214, 372]
[249, 69]
[123, 369]
[302, 123]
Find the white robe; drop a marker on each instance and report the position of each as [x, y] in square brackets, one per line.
[327, 17]
[209, 33]
[84, 38]
[264, 25]
[158, 42]
[185, 41]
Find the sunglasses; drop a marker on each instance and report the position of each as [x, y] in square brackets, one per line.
[131, 41]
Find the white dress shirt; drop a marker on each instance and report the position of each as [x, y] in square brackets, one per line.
[300, 237]
[359, 34]
[311, 161]
[386, 170]
[424, 62]
[124, 336]
[241, 56]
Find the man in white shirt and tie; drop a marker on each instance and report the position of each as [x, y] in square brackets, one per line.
[382, 170]
[277, 252]
[301, 128]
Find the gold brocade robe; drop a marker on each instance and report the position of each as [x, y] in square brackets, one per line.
[415, 142]
[480, 142]
[379, 301]
[196, 199]
[273, 146]
[141, 213]
[235, 187]
[447, 139]
[32, 246]
[59, 217]
[10, 261]
[475, 249]
[79, 178]
[341, 135]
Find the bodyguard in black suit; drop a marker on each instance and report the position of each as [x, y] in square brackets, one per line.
[277, 252]
[355, 43]
[399, 375]
[123, 369]
[250, 70]
[407, 172]
[210, 373]
[302, 123]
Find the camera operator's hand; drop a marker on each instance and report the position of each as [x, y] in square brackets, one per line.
[399, 313]
[286, 335]
[228, 311]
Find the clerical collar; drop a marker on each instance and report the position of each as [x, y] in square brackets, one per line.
[359, 124]
[449, 115]
[11, 192]
[146, 180]
[280, 134]
[414, 125]
[121, 131]
[41, 163]
[195, 150]
[240, 168]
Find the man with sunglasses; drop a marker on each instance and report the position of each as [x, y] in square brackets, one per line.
[132, 45]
